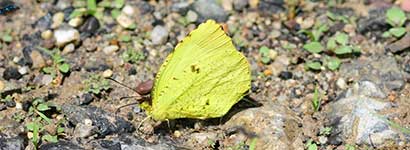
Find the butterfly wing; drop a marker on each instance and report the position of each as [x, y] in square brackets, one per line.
[202, 78]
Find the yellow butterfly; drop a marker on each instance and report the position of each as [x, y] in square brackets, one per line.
[202, 78]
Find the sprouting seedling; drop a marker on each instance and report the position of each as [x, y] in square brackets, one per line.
[396, 18]
[316, 99]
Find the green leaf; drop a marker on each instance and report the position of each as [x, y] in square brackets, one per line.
[50, 138]
[31, 126]
[264, 51]
[342, 38]
[7, 38]
[395, 17]
[333, 63]
[91, 6]
[42, 107]
[119, 3]
[265, 60]
[314, 65]
[115, 13]
[316, 100]
[48, 70]
[64, 68]
[343, 50]
[78, 12]
[312, 147]
[252, 146]
[357, 49]
[331, 15]
[60, 130]
[398, 31]
[125, 38]
[386, 34]
[313, 47]
[331, 44]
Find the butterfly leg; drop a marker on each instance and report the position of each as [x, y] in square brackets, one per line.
[143, 120]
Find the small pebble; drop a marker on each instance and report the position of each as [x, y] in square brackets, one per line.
[341, 83]
[2, 86]
[46, 79]
[38, 60]
[177, 134]
[273, 54]
[23, 70]
[191, 16]
[124, 20]
[64, 36]
[75, 22]
[58, 19]
[110, 49]
[68, 49]
[159, 35]
[89, 45]
[19, 105]
[128, 10]
[267, 72]
[107, 73]
[47, 34]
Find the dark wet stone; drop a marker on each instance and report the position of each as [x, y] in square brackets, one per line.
[90, 27]
[181, 7]
[60, 145]
[240, 4]
[407, 68]
[84, 99]
[32, 40]
[210, 9]
[67, 12]
[129, 142]
[44, 22]
[132, 71]
[26, 61]
[11, 73]
[375, 22]
[16, 143]
[269, 7]
[26, 105]
[96, 65]
[105, 122]
[285, 75]
[10, 103]
[254, 87]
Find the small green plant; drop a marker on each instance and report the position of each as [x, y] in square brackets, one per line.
[325, 131]
[349, 147]
[6, 37]
[396, 18]
[336, 46]
[91, 7]
[132, 56]
[96, 84]
[59, 63]
[40, 121]
[264, 52]
[311, 145]
[316, 100]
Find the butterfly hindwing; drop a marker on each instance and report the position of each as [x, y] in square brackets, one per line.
[203, 77]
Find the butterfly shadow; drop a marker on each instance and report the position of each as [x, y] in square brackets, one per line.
[245, 103]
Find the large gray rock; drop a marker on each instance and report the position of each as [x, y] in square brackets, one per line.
[356, 116]
[273, 126]
[381, 70]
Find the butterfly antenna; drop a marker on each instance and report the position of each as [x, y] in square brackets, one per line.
[126, 105]
[122, 84]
